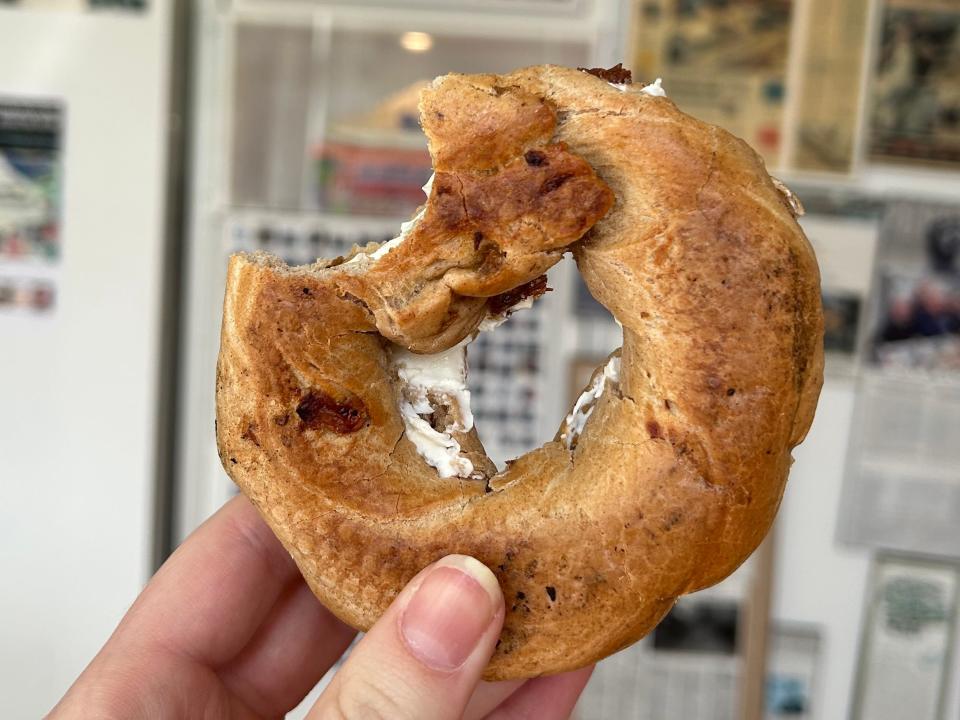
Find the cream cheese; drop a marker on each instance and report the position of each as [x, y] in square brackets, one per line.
[655, 88]
[441, 374]
[439, 449]
[428, 379]
[583, 408]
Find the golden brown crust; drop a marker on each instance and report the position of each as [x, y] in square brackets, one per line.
[679, 471]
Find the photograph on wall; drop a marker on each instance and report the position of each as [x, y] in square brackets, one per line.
[792, 658]
[917, 313]
[723, 61]
[915, 112]
[906, 644]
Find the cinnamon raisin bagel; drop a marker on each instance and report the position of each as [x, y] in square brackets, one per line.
[341, 405]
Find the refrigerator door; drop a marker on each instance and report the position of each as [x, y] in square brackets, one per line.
[83, 132]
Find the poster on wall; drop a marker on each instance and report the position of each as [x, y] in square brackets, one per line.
[723, 62]
[31, 134]
[915, 112]
[906, 640]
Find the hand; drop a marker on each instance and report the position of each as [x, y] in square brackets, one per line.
[228, 629]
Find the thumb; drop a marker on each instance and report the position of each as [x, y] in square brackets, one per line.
[424, 657]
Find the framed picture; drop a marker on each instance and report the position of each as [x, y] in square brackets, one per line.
[907, 639]
[792, 659]
[915, 113]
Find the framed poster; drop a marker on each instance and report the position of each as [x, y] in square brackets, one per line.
[907, 640]
[915, 112]
[31, 133]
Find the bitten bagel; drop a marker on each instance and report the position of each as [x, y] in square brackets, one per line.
[666, 475]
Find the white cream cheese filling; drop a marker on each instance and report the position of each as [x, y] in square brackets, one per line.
[655, 88]
[439, 449]
[428, 379]
[583, 408]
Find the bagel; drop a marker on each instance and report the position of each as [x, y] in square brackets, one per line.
[341, 401]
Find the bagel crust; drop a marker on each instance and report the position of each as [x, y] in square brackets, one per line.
[675, 475]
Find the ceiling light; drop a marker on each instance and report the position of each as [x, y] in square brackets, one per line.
[416, 42]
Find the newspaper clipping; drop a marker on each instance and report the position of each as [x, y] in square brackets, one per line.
[916, 95]
[830, 99]
[903, 481]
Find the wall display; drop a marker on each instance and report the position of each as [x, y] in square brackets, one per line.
[792, 660]
[907, 640]
[830, 95]
[901, 489]
[724, 62]
[30, 204]
[916, 96]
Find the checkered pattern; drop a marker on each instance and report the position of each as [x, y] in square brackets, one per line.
[505, 379]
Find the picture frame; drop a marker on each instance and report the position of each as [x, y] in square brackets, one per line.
[907, 640]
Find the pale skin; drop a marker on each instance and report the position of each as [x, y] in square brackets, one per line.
[227, 628]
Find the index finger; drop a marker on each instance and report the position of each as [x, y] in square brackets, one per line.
[213, 593]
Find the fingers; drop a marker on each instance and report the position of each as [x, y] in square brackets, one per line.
[489, 695]
[296, 645]
[550, 698]
[209, 598]
[424, 657]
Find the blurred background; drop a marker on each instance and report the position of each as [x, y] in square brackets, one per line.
[142, 141]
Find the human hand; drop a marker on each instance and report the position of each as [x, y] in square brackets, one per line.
[228, 629]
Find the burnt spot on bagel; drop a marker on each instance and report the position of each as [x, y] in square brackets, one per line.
[249, 434]
[535, 158]
[653, 428]
[499, 304]
[319, 411]
[554, 183]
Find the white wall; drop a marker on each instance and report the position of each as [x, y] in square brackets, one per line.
[77, 390]
[818, 582]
